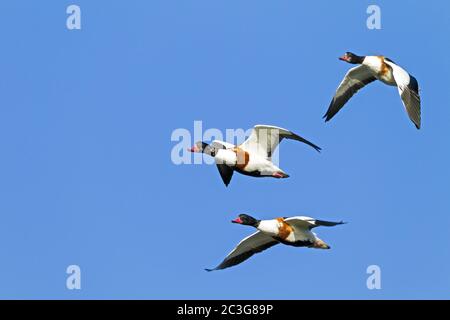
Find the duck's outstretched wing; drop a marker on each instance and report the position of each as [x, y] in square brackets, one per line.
[226, 173]
[302, 222]
[408, 88]
[355, 79]
[264, 139]
[249, 246]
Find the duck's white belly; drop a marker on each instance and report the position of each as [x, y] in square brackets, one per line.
[380, 70]
[279, 229]
[301, 235]
[260, 164]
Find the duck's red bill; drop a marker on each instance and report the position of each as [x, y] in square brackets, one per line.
[237, 220]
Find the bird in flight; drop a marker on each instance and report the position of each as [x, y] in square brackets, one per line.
[369, 69]
[253, 157]
[294, 231]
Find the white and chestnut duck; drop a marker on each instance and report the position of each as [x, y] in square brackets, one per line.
[369, 69]
[294, 231]
[253, 157]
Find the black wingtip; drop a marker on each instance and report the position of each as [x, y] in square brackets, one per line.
[209, 270]
[317, 148]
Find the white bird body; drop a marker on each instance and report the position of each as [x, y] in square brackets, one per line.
[226, 156]
[302, 235]
[253, 157]
[255, 162]
[376, 65]
[269, 227]
[263, 166]
[273, 227]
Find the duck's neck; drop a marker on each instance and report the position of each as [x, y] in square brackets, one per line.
[254, 222]
[358, 59]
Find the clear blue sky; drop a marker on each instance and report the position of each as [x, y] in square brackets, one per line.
[86, 176]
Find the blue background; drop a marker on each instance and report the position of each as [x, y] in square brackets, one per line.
[86, 176]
